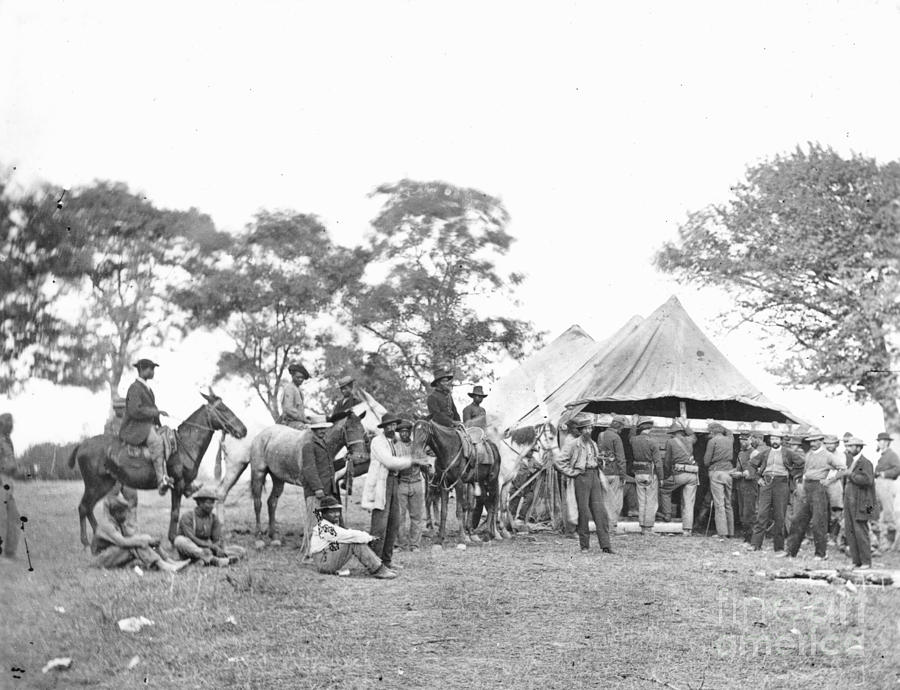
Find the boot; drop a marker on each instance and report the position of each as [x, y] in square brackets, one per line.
[164, 482]
[384, 573]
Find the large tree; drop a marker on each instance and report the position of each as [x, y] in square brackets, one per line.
[434, 249]
[39, 257]
[809, 245]
[273, 292]
[138, 255]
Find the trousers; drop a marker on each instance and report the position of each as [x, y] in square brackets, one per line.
[856, 532]
[612, 501]
[187, 548]
[811, 507]
[771, 507]
[648, 499]
[9, 518]
[747, 496]
[157, 454]
[328, 561]
[386, 523]
[119, 557]
[687, 482]
[311, 504]
[720, 487]
[411, 496]
[589, 499]
[885, 490]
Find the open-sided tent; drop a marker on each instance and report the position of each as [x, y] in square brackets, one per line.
[667, 367]
[543, 372]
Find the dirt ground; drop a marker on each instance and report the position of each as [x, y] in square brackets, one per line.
[662, 612]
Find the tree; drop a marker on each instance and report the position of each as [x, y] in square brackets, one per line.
[273, 292]
[809, 245]
[38, 257]
[437, 245]
[138, 255]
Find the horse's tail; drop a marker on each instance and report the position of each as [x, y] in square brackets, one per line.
[74, 456]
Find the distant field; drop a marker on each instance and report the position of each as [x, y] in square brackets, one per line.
[532, 613]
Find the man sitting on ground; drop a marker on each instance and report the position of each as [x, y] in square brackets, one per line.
[200, 534]
[332, 546]
[116, 546]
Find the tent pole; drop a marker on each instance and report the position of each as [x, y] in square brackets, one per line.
[682, 407]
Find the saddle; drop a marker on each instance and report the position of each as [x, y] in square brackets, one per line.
[119, 454]
[474, 446]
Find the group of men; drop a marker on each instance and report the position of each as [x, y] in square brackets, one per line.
[779, 489]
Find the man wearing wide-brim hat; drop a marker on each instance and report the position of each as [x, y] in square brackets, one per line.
[580, 459]
[347, 402]
[773, 466]
[886, 473]
[381, 491]
[441, 408]
[648, 473]
[860, 503]
[613, 466]
[475, 414]
[719, 461]
[678, 459]
[199, 535]
[117, 545]
[290, 400]
[316, 473]
[140, 422]
[812, 503]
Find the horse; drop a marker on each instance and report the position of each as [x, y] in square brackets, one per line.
[100, 472]
[514, 451]
[454, 469]
[276, 451]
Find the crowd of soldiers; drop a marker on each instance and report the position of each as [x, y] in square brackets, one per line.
[767, 484]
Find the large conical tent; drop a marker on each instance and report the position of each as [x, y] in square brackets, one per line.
[536, 377]
[667, 364]
[554, 402]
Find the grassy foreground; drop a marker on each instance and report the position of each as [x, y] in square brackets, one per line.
[534, 612]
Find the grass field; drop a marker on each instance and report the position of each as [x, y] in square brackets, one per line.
[533, 612]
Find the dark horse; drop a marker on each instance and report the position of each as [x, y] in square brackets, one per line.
[100, 473]
[453, 468]
[276, 452]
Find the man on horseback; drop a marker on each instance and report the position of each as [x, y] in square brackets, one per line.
[140, 425]
[293, 411]
[347, 402]
[441, 408]
[475, 414]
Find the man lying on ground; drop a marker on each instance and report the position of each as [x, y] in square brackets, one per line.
[115, 545]
[200, 534]
[332, 546]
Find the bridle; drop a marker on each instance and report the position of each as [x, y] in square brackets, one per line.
[211, 412]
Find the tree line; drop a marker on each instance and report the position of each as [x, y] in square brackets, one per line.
[91, 276]
[807, 246]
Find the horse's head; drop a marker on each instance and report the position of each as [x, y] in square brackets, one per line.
[353, 436]
[421, 435]
[221, 418]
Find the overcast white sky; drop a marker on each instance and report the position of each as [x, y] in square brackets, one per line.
[599, 125]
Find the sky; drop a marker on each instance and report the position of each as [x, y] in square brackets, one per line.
[599, 125]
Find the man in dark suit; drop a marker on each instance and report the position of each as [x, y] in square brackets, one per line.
[859, 504]
[140, 423]
[440, 403]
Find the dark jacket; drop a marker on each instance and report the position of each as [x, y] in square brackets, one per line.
[316, 469]
[679, 451]
[744, 465]
[474, 415]
[793, 462]
[612, 453]
[441, 408]
[719, 456]
[343, 408]
[141, 414]
[888, 463]
[646, 456]
[859, 492]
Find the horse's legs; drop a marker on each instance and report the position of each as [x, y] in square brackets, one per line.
[272, 503]
[442, 528]
[174, 515]
[93, 492]
[464, 513]
[257, 479]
